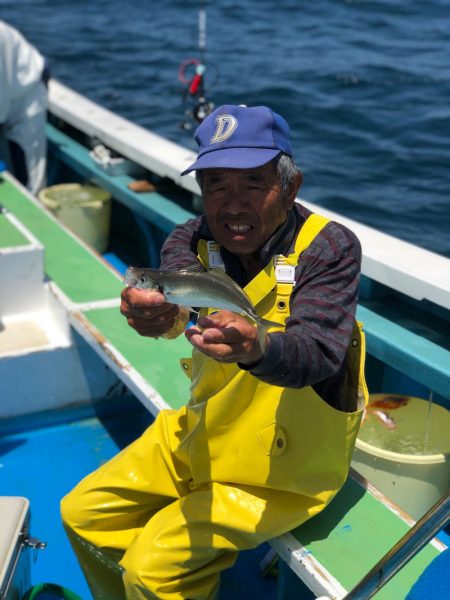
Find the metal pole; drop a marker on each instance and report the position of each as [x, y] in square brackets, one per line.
[408, 546]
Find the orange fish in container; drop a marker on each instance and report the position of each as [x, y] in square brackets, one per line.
[378, 406]
[389, 402]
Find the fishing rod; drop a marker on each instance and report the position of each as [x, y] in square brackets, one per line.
[192, 75]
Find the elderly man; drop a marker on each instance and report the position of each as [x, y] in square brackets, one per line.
[266, 438]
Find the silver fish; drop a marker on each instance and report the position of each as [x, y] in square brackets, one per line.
[206, 289]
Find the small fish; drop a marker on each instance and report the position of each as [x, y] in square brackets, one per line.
[390, 402]
[385, 419]
[205, 289]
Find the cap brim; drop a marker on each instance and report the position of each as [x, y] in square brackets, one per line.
[233, 158]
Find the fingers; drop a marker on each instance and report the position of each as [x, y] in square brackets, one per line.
[134, 299]
[223, 327]
[224, 352]
[148, 328]
[226, 337]
[147, 311]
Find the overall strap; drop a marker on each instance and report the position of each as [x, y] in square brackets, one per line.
[311, 228]
[285, 265]
[208, 253]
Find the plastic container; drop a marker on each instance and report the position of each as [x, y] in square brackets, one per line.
[405, 451]
[84, 209]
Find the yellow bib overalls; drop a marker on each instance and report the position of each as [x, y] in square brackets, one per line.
[243, 462]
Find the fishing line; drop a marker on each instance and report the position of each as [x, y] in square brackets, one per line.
[191, 74]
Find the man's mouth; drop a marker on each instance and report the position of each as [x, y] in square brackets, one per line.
[238, 228]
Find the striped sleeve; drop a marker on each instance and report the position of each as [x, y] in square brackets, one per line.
[180, 248]
[313, 348]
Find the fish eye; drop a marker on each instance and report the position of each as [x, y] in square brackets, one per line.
[142, 279]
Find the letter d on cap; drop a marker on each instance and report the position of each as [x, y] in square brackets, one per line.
[225, 127]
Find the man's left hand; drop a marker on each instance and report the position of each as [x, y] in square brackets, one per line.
[227, 337]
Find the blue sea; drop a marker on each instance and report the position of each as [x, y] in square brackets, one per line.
[365, 86]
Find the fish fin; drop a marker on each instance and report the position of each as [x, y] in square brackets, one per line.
[220, 273]
[194, 268]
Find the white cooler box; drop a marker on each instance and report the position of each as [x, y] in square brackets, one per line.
[14, 554]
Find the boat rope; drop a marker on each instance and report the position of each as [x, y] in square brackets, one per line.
[191, 74]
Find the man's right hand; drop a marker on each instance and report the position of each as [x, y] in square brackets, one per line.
[147, 311]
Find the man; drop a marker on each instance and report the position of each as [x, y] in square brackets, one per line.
[23, 108]
[266, 438]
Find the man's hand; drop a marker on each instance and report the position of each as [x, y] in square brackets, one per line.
[227, 337]
[148, 312]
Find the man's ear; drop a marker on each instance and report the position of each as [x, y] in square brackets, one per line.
[295, 186]
[299, 181]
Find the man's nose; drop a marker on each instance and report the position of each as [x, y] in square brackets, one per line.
[236, 200]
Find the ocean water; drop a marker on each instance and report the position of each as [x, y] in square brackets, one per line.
[364, 85]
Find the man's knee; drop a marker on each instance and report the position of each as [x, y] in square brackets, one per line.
[152, 570]
[137, 576]
[72, 510]
[168, 571]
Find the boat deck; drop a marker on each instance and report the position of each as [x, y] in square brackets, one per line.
[43, 462]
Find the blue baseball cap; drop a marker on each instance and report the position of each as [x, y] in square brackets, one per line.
[240, 137]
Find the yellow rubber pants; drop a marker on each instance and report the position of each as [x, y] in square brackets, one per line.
[141, 529]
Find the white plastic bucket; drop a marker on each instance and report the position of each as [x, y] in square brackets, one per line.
[408, 459]
[84, 209]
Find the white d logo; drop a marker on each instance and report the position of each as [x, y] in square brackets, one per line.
[225, 127]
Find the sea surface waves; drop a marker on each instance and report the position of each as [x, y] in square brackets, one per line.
[364, 85]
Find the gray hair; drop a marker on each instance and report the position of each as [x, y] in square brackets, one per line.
[286, 170]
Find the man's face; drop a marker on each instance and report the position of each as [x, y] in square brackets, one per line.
[243, 207]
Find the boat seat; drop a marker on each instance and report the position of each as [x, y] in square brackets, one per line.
[334, 550]
[89, 289]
